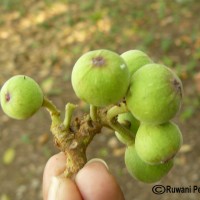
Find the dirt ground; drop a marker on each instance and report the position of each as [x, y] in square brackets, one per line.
[43, 39]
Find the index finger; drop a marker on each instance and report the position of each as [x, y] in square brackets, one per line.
[55, 186]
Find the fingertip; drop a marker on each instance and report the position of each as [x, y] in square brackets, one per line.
[55, 166]
[96, 183]
[62, 189]
[98, 161]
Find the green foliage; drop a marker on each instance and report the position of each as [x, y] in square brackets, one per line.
[11, 4]
[162, 8]
[166, 44]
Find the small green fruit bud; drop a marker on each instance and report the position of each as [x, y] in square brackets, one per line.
[158, 143]
[21, 97]
[100, 77]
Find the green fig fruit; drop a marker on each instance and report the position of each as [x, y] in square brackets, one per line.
[135, 59]
[130, 122]
[155, 94]
[142, 171]
[21, 97]
[158, 143]
[100, 77]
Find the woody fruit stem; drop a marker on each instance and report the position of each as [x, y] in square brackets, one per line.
[73, 135]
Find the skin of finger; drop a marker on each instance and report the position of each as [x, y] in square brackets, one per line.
[96, 183]
[54, 167]
[67, 190]
[104, 188]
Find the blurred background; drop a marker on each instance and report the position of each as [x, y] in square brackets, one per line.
[44, 38]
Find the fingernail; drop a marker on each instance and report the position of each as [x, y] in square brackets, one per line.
[98, 160]
[53, 189]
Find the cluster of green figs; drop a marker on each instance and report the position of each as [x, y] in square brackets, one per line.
[152, 93]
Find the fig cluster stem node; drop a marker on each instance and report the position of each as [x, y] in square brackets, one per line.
[73, 135]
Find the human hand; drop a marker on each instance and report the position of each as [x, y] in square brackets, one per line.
[92, 182]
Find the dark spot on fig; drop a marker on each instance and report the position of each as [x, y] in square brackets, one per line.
[98, 61]
[7, 97]
[177, 86]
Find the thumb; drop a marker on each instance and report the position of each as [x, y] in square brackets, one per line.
[96, 183]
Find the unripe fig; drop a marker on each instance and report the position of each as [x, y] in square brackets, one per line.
[155, 94]
[158, 143]
[135, 59]
[100, 77]
[142, 171]
[21, 97]
[130, 122]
